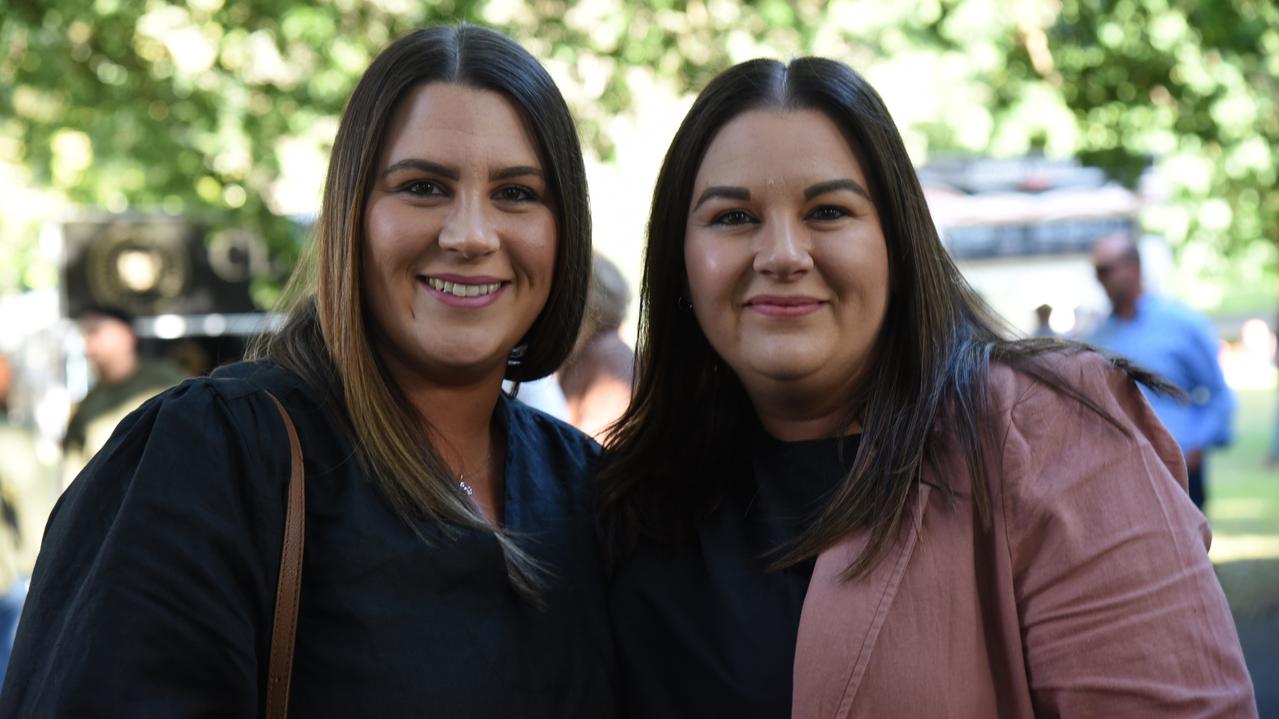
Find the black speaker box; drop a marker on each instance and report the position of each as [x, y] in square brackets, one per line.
[156, 265]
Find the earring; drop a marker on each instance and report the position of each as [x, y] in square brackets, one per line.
[517, 354]
[683, 303]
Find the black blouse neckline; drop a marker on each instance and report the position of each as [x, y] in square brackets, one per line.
[709, 630]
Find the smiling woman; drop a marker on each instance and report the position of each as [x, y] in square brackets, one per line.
[450, 568]
[788, 274]
[839, 491]
[460, 237]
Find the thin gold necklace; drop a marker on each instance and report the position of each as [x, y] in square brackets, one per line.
[461, 476]
[466, 486]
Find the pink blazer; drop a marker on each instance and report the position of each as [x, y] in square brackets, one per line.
[1092, 595]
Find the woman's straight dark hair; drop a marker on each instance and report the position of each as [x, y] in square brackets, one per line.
[673, 455]
[326, 338]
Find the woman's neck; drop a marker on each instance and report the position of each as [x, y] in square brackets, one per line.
[790, 414]
[458, 421]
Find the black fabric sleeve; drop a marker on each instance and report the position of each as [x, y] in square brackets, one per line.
[155, 586]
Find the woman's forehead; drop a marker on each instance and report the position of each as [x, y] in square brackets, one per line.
[448, 120]
[771, 147]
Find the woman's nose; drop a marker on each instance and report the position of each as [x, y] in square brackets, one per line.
[783, 250]
[469, 231]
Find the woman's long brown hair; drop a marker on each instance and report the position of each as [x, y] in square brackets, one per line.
[676, 451]
[326, 338]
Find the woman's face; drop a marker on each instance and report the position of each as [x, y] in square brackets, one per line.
[786, 259]
[459, 236]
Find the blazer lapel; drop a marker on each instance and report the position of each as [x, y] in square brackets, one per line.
[841, 620]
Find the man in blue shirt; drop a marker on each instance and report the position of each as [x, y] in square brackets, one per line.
[1175, 342]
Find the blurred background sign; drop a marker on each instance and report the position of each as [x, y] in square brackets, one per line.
[1021, 230]
[152, 266]
[1026, 206]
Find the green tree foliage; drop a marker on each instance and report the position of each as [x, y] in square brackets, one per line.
[180, 107]
[208, 107]
[1191, 84]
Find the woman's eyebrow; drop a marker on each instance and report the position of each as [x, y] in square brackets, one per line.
[845, 183]
[732, 193]
[423, 166]
[517, 171]
[452, 174]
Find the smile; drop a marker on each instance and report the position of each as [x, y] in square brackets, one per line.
[458, 289]
[781, 307]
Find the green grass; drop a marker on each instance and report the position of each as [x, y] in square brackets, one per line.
[1243, 509]
[1248, 298]
[1243, 492]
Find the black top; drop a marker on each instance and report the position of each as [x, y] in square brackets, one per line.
[154, 591]
[704, 630]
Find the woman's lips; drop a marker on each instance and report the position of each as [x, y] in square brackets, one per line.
[464, 292]
[783, 306]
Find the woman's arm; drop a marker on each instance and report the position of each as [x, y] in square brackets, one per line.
[154, 588]
[1121, 613]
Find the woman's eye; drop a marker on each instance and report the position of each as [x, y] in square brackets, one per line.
[827, 213]
[732, 217]
[516, 193]
[422, 188]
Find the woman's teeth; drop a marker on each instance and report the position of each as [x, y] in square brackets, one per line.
[461, 290]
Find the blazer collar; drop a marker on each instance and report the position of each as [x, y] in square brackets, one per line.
[841, 620]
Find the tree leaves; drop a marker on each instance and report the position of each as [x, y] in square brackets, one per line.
[222, 109]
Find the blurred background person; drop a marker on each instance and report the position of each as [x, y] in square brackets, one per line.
[1175, 342]
[542, 394]
[1043, 328]
[28, 489]
[597, 376]
[124, 380]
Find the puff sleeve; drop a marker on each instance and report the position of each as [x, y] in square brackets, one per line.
[154, 589]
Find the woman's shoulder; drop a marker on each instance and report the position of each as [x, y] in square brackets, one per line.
[1060, 415]
[1104, 548]
[229, 402]
[553, 460]
[241, 379]
[538, 429]
[1050, 381]
[192, 445]
[252, 385]
[226, 414]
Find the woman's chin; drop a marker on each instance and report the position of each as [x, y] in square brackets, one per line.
[454, 364]
[781, 371]
[471, 365]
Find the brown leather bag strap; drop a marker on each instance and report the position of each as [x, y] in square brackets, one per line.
[288, 591]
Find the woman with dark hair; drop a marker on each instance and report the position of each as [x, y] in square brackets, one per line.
[449, 565]
[840, 491]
